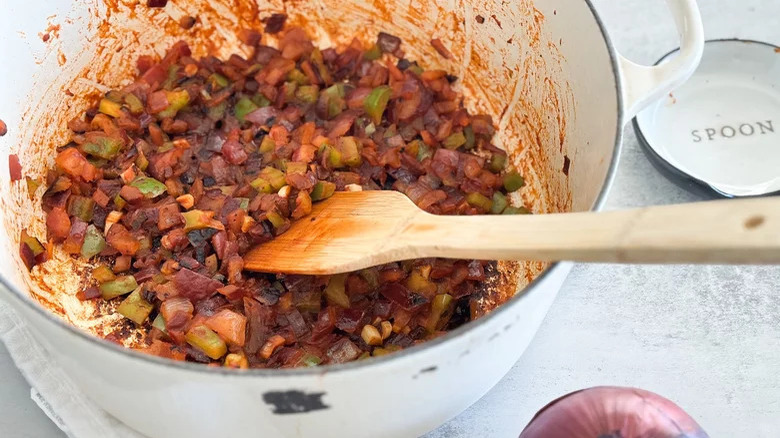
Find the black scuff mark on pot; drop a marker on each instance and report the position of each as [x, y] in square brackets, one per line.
[465, 353]
[507, 327]
[429, 369]
[492, 337]
[294, 402]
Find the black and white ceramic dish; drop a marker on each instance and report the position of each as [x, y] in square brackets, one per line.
[721, 129]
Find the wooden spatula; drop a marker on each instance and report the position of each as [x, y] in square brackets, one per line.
[355, 230]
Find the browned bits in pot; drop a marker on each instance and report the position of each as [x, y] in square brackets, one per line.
[187, 21]
[156, 3]
[439, 46]
[480, 19]
[3, 128]
[275, 23]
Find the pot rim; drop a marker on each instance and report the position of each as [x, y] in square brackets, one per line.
[371, 362]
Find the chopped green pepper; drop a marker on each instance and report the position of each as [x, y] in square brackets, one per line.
[159, 323]
[135, 307]
[480, 201]
[423, 151]
[274, 176]
[199, 219]
[373, 53]
[275, 218]
[371, 276]
[297, 76]
[150, 187]
[173, 71]
[454, 141]
[288, 89]
[310, 360]
[260, 100]
[134, 103]
[243, 107]
[516, 210]
[468, 132]
[217, 112]
[497, 163]
[81, 207]
[499, 203]
[416, 69]
[103, 147]
[267, 145]
[94, 242]
[322, 190]
[144, 243]
[167, 146]
[141, 161]
[261, 185]
[244, 203]
[350, 151]
[376, 102]
[513, 181]
[307, 93]
[103, 274]
[217, 82]
[334, 156]
[335, 96]
[176, 101]
[32, 243]
[32, 186]
[97, 162]
[204, 339]
[335, 292]
[119, 202]
[120, 286]
[110, 108]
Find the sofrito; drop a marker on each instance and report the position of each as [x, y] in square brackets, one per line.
[168, 181]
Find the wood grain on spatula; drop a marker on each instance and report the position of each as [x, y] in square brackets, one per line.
[355, 230]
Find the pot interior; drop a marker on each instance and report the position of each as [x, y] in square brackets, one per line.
[542, 70]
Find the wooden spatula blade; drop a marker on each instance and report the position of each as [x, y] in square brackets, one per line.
[347, 232]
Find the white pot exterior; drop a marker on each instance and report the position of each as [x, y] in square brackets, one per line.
[409, 395]
[405, 394]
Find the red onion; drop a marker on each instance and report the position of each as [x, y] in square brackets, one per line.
[612, 412]
[262, 116]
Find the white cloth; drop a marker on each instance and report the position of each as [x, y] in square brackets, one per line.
[52, 390]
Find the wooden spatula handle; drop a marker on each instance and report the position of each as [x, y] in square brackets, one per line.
[742, 231]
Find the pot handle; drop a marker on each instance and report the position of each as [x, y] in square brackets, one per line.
[642, 84]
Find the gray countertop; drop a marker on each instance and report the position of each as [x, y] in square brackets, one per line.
[707, 337]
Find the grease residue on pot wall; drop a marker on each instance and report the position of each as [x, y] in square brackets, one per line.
[513, 72]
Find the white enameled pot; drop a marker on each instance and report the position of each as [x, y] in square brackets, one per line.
[547, 73]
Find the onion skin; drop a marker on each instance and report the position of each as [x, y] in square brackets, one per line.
[612, 412]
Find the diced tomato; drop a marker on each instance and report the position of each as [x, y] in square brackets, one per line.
[230, 325]
[75, 164]
[58, 224]
[121, 240]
